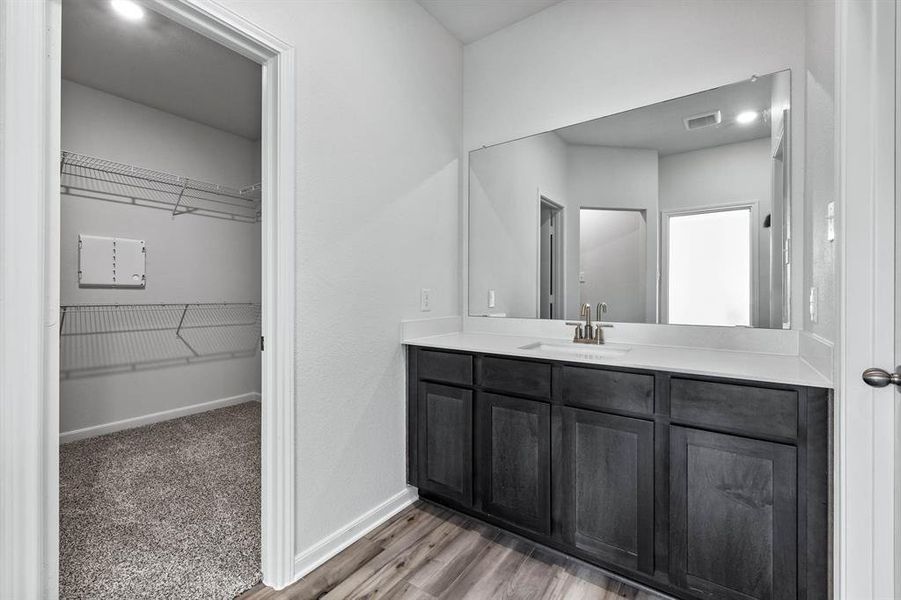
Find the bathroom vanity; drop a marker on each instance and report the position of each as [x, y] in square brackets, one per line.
[701, 486]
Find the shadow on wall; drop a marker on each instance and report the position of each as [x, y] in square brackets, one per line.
[101, 339]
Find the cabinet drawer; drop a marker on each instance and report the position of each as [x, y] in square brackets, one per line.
[610, 390]
[732, 407]
[445, 366]
[516, 376]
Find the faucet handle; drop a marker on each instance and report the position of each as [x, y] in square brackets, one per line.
[578, 334]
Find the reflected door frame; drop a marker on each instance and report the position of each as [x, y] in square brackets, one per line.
[558, 261]
[665, 216]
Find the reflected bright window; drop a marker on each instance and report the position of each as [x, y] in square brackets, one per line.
[709, 262]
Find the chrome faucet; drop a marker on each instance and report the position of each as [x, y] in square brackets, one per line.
[588, 332]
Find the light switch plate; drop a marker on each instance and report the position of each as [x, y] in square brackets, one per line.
[425, 300]
[813, 305]
[111, 262]
[492, 299]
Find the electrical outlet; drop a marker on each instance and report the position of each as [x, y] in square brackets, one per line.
[492, 299]
[425, 300]
[813, 305]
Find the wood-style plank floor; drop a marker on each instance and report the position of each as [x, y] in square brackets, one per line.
[429, 553]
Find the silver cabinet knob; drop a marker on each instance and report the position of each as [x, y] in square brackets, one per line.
[881, 378]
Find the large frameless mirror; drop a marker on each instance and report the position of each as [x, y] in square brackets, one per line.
[678, 212]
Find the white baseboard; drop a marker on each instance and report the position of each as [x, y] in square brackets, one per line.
[95, 430]
[329, 546]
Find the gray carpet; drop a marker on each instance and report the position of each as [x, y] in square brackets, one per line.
[170, 510]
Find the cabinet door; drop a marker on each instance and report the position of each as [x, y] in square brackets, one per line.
[445, 441]
[515, 467]
[607, 491]
[733, 516]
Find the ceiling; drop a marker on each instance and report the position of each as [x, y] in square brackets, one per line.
[471, 20]
[660, 127]
[161, 64]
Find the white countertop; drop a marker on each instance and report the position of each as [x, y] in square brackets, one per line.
[752, 366]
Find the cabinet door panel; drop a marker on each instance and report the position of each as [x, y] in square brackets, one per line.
[516, 452]
[733, 516]
[607, 494]
[445, 441]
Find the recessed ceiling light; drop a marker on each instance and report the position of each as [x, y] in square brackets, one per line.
[748, 116]
[128, 9]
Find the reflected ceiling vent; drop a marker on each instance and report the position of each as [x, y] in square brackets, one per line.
[703, 120]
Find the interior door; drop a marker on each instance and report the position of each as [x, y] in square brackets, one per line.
[867, 432]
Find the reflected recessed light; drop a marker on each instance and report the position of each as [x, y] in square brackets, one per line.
[128, 9]
[749, 116]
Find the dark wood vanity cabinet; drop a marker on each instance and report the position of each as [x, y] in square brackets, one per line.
[514, 460]
[606, 491]
[701, 487]
[733, 515]
[445, 441]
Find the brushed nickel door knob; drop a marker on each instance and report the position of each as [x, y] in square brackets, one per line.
[881, 378]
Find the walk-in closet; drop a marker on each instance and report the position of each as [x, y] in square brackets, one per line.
[160, 319]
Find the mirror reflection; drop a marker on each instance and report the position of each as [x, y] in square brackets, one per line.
[677, 212]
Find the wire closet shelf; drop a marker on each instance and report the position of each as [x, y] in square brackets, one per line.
[108, 338]
[101, 179]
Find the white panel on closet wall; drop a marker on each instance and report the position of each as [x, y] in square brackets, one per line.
[110, 262]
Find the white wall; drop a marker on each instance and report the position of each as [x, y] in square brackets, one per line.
[730, 174]
[819, 189]
[623, 178]
[379, 119]
[504, 186]
[577, 61]
[189, 258]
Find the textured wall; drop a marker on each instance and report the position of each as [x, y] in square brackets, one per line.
[504, 185]
[819, 188]
[378, 133]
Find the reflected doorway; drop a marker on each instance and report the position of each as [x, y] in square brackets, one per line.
[613, 262]
[550, 260]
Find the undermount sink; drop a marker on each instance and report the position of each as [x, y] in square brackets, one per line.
[590, 350]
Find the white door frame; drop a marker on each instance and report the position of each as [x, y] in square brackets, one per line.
[558, 253]
[866, 446]
[30, 35]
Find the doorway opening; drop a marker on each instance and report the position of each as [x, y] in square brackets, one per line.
[161, 309]
[550, 260]
[613, 262]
